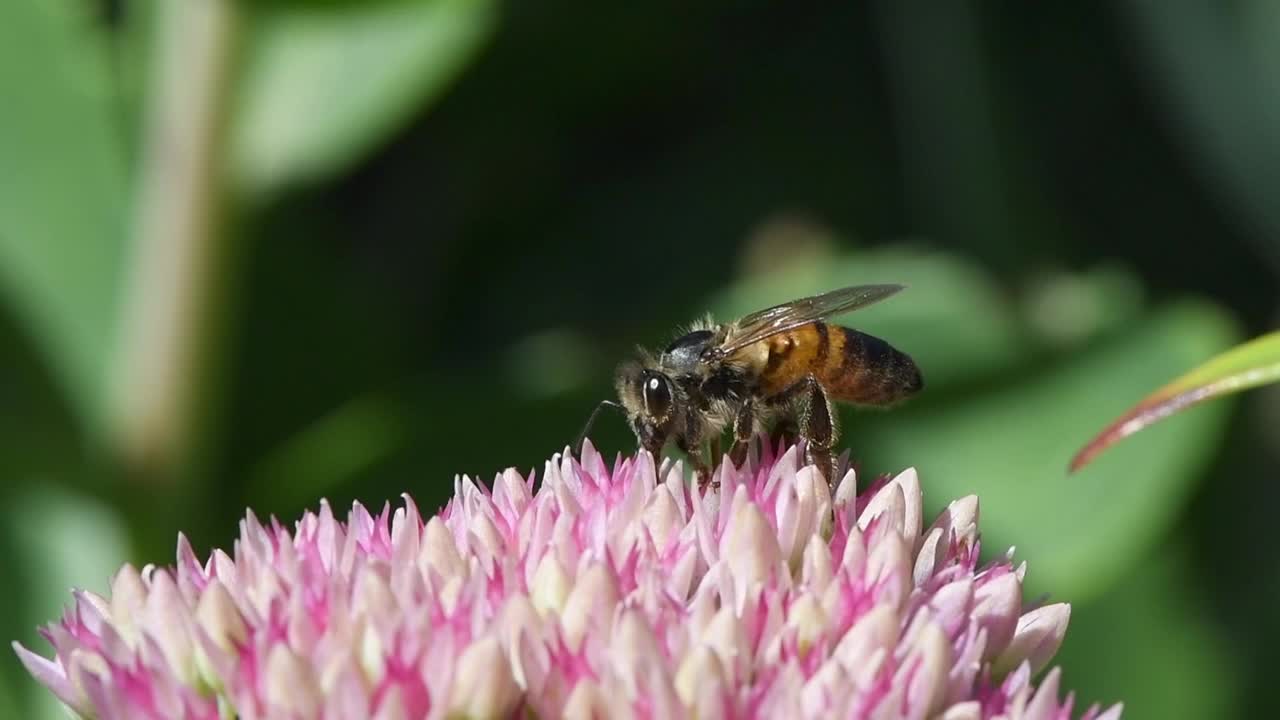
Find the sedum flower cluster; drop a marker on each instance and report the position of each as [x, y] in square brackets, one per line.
[595, 593]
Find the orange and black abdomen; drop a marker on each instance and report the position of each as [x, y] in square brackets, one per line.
[852, 366]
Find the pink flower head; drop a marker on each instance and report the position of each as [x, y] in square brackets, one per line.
[598, 593]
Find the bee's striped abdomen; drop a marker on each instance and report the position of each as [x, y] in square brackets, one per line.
[867, 370]
[852, 366]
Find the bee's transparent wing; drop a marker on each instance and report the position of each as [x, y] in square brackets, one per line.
[790, 315]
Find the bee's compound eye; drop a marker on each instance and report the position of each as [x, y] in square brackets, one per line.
[657, 395]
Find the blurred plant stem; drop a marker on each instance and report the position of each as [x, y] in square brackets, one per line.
[176, 250]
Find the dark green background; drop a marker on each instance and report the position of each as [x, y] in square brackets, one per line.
[443, 222]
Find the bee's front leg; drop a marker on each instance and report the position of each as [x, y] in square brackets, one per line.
[690, 442]
[693, 449]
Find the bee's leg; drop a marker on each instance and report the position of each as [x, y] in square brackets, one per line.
[693, 449]
[744, 423]
[690, 443]
[818, 427]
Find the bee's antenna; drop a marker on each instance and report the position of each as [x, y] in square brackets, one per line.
[577, 445]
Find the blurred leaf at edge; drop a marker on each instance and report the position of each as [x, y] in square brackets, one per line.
[324, 85]
[63, 185]
[1245, 366]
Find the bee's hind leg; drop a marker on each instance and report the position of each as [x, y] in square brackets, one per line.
[818, 427]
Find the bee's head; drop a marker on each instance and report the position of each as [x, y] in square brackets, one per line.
[650, 400]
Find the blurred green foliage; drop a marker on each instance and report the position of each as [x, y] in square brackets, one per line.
[451, 218]
[322, 86]
[65, 182]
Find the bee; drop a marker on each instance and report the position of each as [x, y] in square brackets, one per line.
[784, 366]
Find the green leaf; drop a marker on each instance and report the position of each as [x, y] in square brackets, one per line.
[1254, 363]
[1148, 643]
[1009, 446]
[950, 319]
[63, 185]
[68, 540]
[324, 85]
